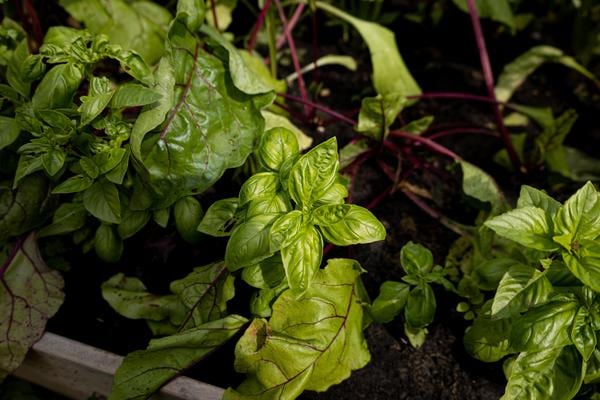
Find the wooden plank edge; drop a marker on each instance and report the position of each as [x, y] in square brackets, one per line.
[77, 371]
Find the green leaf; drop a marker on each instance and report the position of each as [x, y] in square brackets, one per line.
[549, 374]
[527, 226]
[249, 242]
[53, 160]
[585, 264]
[68, 218]
[479, 185]
[102, 201]
[14, 73]
[489, 273]
[261, 185]
[197, 143]
[9, 131]
[273, 120]
[347, 224]
[516, 72]
[74, 184]
[219, 218]
[420, 306]
[188, 214]
[579, 218]
[390, 75]
[314, 173]
[390, 302]
[497, 10]
[302, 259]
[276, 146]
[582, 334]
[581, 166]
[286, 230]
[205, 292]
[223, 11]
[266, 274]
[521, 288]
[132, 221]
[108, 245]
[30, 294]
[143, 372]
[418, 126]
[139, 25]
[310, 343]
[57, 88]
[377, 114]
[130, 298]
[133, 95]
[352, 151]
[416, 336]
[488, 340]
[531, 197]
[99, 95]
[543, 327]
[416, 259]
[27, 165]
[191, 13]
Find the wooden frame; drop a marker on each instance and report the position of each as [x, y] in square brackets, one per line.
[77, 371]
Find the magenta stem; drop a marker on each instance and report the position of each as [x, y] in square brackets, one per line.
[335, 114]
[489, 82]
[447, 222]
[213, 8]
[259, 23]
[291, 25]
[428, 143]
[460, 131]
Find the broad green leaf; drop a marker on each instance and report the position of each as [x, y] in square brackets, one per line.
[102, 201]
[261, 185]
[335, 195]
[516, 72]
[191, 13]
[129, 297]
[138, 25]
[543, 327]
[302, 259]
[108, 244]
[143, 372]
[390, 75]
[219, 218]
[420, 306]
[314, 173]
[309, 343]
[74, 184]
[347, 224]
[23, 208]
[276, 146]
[67, 218]
[488, 340]
[416, 259]
[273, 120]
[278, 203]
[592, 372]
[497, 10]
[549, 374]
[521, 288]
[377, 114]
[531, 197]
[30, 294]
[249, 242]
[585, 264]
[527, 226]
[479, 185]
[579, 218]
[188, 214]
[9, 131]
[582, 334]
[133, 95]
[286, 230]
[197, 143]
[390, 302]
[57, 88]
[205, 292]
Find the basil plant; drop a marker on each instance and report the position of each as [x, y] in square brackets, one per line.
[285, 212]
[545, 315]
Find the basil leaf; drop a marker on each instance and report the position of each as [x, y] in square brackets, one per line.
[314, 173]
[68, 218]
[420, 306]
[478, 184]
[24, 312]
[99, 95]
[277, 204]
[188, 214]
[390, 302]
[276, 146]
[546, 374]
[582, 334]
[302, 259]
[143, 372]
[263, 184]
[117, 174]
[347, 224]
[10, 129]
[162, 216]
[488, 340]
[286, 230]
[531, 197]
[521, 288]
[579, 217]
[321, 332]
[133, 95]
[57, 88]
[416, 259]
[74, 184]
[584, 264]
[527, 226]
[102, 201]
[108, 245]
[219, 218]
[249, 242]
[266, 274]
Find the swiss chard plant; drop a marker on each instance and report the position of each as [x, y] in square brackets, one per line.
[544, 316]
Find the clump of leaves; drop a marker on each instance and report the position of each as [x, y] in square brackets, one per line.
[414, 295]
[545, 312]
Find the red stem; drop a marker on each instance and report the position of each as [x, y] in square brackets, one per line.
[259, 23]
[13, 253]
[428, 143]
[489, 82]
[291, 25]
[213, 8]
[448, 223]
[294, 55]
[459, 131]
[319, 107]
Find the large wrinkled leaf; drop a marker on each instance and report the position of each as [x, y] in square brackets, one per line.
[515, 73]
[390, 75]
[211, 126]
[550, 374]
[143, 372]
[309, 343]
[579, 218]
[521, 288]
[137, 25]
[30, 294]
[22, 208]
[302, 259]
[390, 302]
[347, 224]
[527, 226]
[498, 10]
